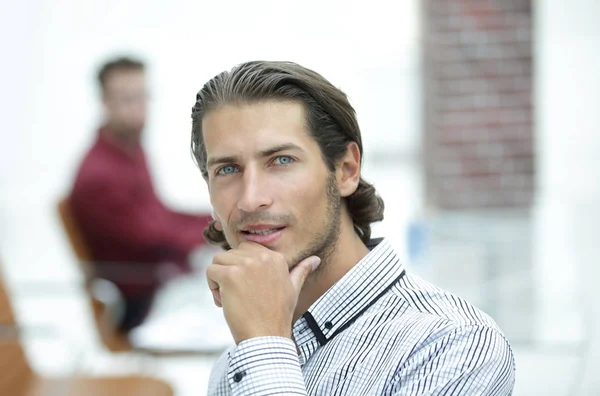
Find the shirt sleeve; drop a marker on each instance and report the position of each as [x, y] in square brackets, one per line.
[259, 366]
[472, 360]
[116, 211]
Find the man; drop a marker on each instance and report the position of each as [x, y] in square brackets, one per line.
[134, 239]
[315, 306]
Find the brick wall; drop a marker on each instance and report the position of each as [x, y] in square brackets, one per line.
[478, 114]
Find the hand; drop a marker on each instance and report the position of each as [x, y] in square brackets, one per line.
[257, 291]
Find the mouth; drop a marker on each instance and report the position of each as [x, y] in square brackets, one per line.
[262, 235]
[266, 231]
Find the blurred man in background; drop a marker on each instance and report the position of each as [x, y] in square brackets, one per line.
[134, 239]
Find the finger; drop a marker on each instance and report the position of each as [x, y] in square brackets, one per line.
[249, 246]
[302, 270]
[243, 254]
[212, 274]
[216, 294]
[232, 257]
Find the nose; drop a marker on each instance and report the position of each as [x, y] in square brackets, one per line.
[136, 113]
[255, 194]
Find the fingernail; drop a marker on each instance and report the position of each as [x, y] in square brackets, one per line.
[316, 261]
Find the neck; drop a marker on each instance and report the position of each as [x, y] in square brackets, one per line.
[349, 250]
[122, 139]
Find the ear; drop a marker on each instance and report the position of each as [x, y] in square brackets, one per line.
[348, 170]
[104, 97]
[217, 222]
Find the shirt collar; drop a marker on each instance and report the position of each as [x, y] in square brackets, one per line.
[108, 145]
[346, 300]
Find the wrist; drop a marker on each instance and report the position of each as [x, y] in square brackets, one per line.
[259, 333]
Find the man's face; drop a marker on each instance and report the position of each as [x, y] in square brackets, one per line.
[268, 182]
[125, 100]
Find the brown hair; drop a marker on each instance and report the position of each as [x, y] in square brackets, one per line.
[118, 64]
[330, 117]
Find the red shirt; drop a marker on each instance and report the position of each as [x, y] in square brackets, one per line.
[123, 221]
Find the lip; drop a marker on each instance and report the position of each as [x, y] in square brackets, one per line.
[260, 226]
[262, 239]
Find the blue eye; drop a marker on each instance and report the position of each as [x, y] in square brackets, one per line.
[283, 160]
[227, 170]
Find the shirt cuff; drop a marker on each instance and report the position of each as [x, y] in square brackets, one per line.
[265, 365]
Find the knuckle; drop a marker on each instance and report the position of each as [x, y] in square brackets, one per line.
[264, 256]
[234, 272]
[247, 261]
[280, 258]
[210, 270]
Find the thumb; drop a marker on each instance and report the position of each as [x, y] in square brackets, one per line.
[301, 271]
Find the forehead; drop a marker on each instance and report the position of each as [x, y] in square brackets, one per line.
[125, 79]
[234, 129]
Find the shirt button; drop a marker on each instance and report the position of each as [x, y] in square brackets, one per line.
[328, 325]
[237, 377]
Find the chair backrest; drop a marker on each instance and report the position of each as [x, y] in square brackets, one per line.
[110, 337]
[7, 316]
[18, 379]
[76, 239]
[16, 375]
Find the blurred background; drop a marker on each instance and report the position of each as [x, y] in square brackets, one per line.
[481, 130]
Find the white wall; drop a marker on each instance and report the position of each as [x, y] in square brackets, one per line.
[567, 241]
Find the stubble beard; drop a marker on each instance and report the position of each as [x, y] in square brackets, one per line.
[324, 243]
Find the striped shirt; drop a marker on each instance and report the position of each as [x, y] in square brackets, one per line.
[377, 331]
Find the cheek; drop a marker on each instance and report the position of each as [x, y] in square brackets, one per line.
[306, 198]
[222, 199]
[123, 114]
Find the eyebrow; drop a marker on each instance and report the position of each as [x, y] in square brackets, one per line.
[262, 154]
